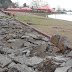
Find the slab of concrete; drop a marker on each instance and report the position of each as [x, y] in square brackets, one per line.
[4, 61]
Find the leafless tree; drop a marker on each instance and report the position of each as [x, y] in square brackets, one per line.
[16, 4]
[37, 3]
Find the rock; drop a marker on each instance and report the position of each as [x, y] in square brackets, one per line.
[33, 36]
[18, 44]
[31, 40]
[60, 59]
[11, 65]
[33, 61]
[62, 69]
[8, 37]
[18, 27]
[3, 32]
[68, 63]
[20, 68]
[20, 59]
[12, 40]
[26, 52]
[25, 37]
[45, 39]
[1, 37]
[1, 44]
[69, 54]
[26, 44]
[3, 70]
[7, 50]
[13, 70]
[38, 37]
[70, 70]
[11, 56]
[4, 61]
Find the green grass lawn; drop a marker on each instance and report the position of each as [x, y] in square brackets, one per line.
[29, 19]
[38, 20]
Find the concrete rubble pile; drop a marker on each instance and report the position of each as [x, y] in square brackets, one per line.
[24, 50]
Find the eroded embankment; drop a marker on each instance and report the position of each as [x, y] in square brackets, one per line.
[24, 50]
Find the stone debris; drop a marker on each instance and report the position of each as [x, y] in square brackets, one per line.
[34, 60]
[24, 50]
[62, 69]
[68, 63]
[70, 70]
[4, 61]
[70, 54]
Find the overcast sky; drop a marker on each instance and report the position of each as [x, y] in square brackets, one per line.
[67, 4]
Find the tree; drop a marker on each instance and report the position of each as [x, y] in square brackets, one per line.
[16, 4]
[24, 5]
[13, 5]
[64, 9]
[36, 3]
[5, 3]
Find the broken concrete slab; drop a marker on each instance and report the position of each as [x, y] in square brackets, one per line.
[7, 50]
[38, 37]
[60, 59]
[33, 61]
[45, 39]
[4, 61]
[11, 65]
[20, 68]
[70, 70]
[3, 32]
[12, 40]
[3, 70]
[62, 69]
[68, 63]
[13, 70]
[7, 37]
[32, 35]
[26, 44]
[1, 37]
[25, 37]
[69, 54]
[31, 40]
[26, 52]
[18, 43]
[20, 59]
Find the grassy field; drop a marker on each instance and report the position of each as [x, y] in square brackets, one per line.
[48, 25]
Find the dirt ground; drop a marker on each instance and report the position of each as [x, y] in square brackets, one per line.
[52, 26]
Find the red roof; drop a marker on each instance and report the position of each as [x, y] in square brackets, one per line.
[26, 8]
[16, 8]
[10, 8]
[45, 7]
